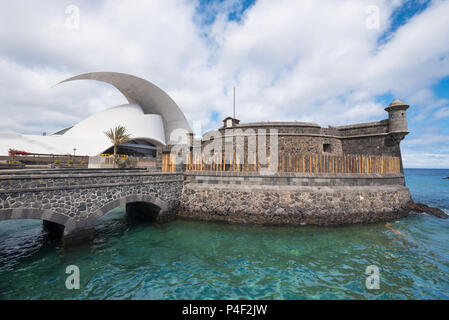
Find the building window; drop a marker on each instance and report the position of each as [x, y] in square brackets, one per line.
[327, 147]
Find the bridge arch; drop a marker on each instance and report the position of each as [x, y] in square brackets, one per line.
[55, 223]
[35, 213]
[76, 199]
[160, 206]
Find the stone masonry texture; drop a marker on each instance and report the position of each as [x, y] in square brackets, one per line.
[78, 200]
[293, 205]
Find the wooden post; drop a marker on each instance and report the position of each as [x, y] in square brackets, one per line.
[310, 162]
[189, 161]
[351, 164]
[303, 167]
[298, 160]
[309, 165]
[362, 158]
[320, 163]
[339, 165]
[346, 164]
[368, 164]
[382, 165]
[363, 164]
[376, 163]
[291, 163]
[290, 160]
[281, 163]
[313, 163]
[255, 163]
[354, 159]
[333, 164]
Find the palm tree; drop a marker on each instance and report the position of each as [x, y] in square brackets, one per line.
[117, 136]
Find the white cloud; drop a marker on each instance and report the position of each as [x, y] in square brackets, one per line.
[428, 138]
[425, 160]
[442, 113]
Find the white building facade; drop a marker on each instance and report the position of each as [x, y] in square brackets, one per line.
[152, 118]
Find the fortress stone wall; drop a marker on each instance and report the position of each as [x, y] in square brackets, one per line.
[381, 138]
[295, 199]
[304, 198]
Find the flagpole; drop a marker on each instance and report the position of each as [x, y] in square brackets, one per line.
[234, 104]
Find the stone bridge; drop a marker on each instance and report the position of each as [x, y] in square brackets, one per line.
[71, 201]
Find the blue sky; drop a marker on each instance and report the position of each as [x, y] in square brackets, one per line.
[329, 62]
[207, 10]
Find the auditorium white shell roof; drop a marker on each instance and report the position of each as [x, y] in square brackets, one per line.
[150, 116]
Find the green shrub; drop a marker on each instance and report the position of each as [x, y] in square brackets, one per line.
[83, 162]
[57, 162]
[69, 162]
[14, 162]
[120, 163]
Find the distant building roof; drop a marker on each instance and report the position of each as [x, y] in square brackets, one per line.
[234, 122]
[230, 118]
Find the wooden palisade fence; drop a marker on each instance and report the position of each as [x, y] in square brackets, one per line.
[291, 162]
[168, 162]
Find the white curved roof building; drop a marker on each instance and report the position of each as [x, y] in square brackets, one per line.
[150, 118]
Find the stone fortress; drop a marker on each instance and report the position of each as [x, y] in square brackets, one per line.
[325, 176]
[380, 138]
[296, 174]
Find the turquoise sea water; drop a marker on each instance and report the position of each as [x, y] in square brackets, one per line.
[196, 260]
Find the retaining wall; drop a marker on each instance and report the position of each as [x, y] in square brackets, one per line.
[301, 199]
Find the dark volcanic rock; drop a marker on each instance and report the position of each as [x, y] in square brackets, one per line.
[266, 204]
[419, 207]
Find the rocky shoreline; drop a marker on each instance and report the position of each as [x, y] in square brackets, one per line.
[422, 208]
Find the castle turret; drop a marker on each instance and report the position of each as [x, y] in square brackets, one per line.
[397, 118]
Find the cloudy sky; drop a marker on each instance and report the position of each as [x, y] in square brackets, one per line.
[330, 62]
